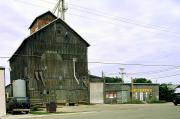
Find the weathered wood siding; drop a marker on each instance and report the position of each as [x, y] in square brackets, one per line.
[47, 65]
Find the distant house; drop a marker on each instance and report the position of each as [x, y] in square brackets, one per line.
[176, 89]
[173, 86]
[45, 60]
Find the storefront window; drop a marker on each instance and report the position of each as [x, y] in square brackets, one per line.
[111, 95]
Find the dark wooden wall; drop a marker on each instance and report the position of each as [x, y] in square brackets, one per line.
[45, 59]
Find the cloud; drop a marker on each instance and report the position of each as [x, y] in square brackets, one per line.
[123, 31]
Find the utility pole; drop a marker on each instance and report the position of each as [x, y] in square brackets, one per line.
[103, 75]
[132, 88]
[60, 9]
[104, 86]
[122, 73]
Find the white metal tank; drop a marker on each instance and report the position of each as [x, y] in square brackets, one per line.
[19, 88]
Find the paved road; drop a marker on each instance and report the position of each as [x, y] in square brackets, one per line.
[144, 111]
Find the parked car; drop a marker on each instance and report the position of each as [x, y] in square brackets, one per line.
[18, 104]
[176, 99]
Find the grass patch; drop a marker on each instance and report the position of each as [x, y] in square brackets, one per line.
[86, 103]
[157, 102]
[149, 102]
[36, 108]
[46, 113]
[134, 102]
[39, 113]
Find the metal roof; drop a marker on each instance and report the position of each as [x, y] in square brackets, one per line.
[44, 27]
[48, 12]
[2, 68]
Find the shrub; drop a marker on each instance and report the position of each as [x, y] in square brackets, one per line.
[155, 101]
[135, 102]
[36, 108]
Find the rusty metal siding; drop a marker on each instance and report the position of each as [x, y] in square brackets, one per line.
[41, 22]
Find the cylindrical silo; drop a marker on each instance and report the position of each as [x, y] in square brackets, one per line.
[19, 88]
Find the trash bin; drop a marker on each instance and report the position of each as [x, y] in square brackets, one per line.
[51, 107]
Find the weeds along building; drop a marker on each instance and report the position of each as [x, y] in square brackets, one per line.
[53, 61]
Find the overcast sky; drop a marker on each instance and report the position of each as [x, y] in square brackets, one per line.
[123, 31]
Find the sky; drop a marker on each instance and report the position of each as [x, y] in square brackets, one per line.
[119, 31]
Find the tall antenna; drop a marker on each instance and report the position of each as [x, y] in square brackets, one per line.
[60, 9]
[122, 73]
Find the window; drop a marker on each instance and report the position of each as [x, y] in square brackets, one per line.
[66, 37]
[111, 95]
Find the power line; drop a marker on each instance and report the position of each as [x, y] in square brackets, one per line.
[166, 76]
[175, 66]
[48, 1]
[148, 72]
[121, 19]
[109, 22]
[124, 20]
[154, 72]
[108, 63]
[4, 57]
[29, 3]
[21, 56]
[104, 14]
[101, 62]
[150, 65]
[154, 77]
[114, 17]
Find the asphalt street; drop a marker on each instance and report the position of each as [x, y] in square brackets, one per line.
[142, 111]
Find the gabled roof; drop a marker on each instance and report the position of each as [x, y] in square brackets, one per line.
[173, 86]
[2, 68]
[24, 41]
[46, 13]
[93, 76]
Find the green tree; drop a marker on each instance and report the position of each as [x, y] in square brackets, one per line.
[165, 93]
[141, 80]
[113, 79]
